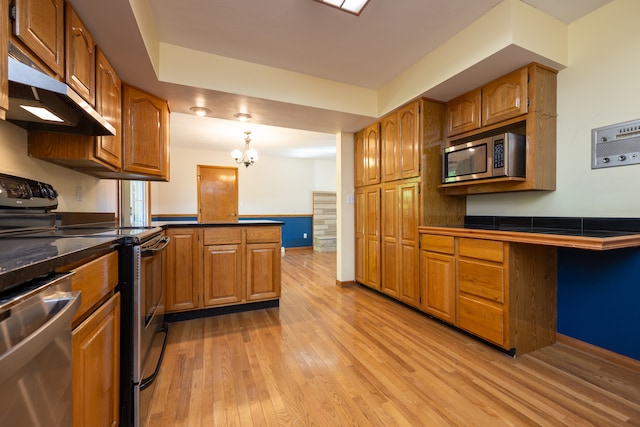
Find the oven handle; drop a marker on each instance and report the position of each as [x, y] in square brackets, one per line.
[156, 247]
[146, 382]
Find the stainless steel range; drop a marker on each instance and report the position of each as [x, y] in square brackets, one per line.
[26, 222]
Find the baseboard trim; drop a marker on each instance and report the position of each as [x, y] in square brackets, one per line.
[299, 248]
[345, 284]
[603, 353]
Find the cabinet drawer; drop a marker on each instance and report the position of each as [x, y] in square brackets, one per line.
[263, 234]
[481, 279]
[223, 235]
[95, 279]
[489, 250]
[481, 318]
[435, 243]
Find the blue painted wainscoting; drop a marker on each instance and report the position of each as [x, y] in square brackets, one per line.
[599, 298]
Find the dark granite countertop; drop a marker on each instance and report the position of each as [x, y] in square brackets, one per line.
[240, 223]
[23, 259]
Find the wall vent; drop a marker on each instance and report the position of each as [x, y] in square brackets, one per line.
[615, 145]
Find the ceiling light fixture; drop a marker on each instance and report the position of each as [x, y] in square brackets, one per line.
[243, 117]
[249, 157]
[200, 111]
[351, 6]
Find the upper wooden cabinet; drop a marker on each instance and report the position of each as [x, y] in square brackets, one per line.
[80, 57]
[367, 156]
[4, 40]
[523, 101]
[145, 123]
[400, 143]
[39, 26]
[505, 97]
[109, 105]
[463, 113]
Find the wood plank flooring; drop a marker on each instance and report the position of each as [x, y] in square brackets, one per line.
[332, 356]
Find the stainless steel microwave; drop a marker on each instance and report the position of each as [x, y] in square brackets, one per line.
[495, 156]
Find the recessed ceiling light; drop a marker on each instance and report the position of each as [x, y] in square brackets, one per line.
[351, 6]
[200, 111]
[243, 117]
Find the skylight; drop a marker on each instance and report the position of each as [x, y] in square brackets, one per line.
[351, 6]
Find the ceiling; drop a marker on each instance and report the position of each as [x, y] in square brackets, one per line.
[301, 36]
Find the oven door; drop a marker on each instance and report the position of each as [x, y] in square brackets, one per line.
[149, 318]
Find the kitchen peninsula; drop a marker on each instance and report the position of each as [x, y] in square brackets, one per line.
[221, 267]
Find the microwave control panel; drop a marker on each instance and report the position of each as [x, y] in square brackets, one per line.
[615, 145]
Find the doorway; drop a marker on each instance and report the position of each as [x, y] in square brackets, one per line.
[217, 194]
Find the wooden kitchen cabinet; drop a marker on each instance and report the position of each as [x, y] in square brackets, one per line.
[367, 236]
[100, 156]
[437, 276]
[367, 156]
[505, 97]
[222, 274]
[96, 342]
[463, 113]
[525, 101]
[263, 263]
[80, 56]
[39, 27]
[183, 269]
[145, 124]
[400, 143]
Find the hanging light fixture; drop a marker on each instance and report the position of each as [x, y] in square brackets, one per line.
[249, 157]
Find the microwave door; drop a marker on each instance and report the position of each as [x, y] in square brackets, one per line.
[466, 162]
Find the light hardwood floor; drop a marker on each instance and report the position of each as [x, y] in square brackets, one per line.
[331, 356]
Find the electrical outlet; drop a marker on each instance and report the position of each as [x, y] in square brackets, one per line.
[304, 235]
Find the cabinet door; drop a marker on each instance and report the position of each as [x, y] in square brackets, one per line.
[96, 367]
[390, 148]
[463, 113]
[222, 281]
[390, 240]
[145, 133]
[372, 154]
[409, 141]
[437, 275]
[183, 269]
[109, 105]
[4, 41]
[372, 231]
[505, 98]
[40, 26]
[80, 57]
[408, 247]
[359, 159]
[263, 271]
[360, 203]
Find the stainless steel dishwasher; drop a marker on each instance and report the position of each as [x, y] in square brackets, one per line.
[35, 353]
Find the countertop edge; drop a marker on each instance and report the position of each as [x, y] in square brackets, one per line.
[196, 224]
[578, 242]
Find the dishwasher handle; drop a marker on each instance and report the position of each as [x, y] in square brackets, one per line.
[21, 353]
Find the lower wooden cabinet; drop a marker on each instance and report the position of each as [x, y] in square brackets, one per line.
[502, 292]
[219, 266]
[96, 367]
[96, 342]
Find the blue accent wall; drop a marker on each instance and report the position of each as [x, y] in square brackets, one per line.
[599, 298]
[293, 230]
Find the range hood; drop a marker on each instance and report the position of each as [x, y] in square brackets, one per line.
[29, 87]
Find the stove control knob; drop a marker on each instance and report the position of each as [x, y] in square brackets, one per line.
[622, 158]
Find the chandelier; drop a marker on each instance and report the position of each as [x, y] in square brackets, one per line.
[249, 157]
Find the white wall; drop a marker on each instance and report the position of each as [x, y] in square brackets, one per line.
[598, 88]
[97, 195]
[273, 185]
